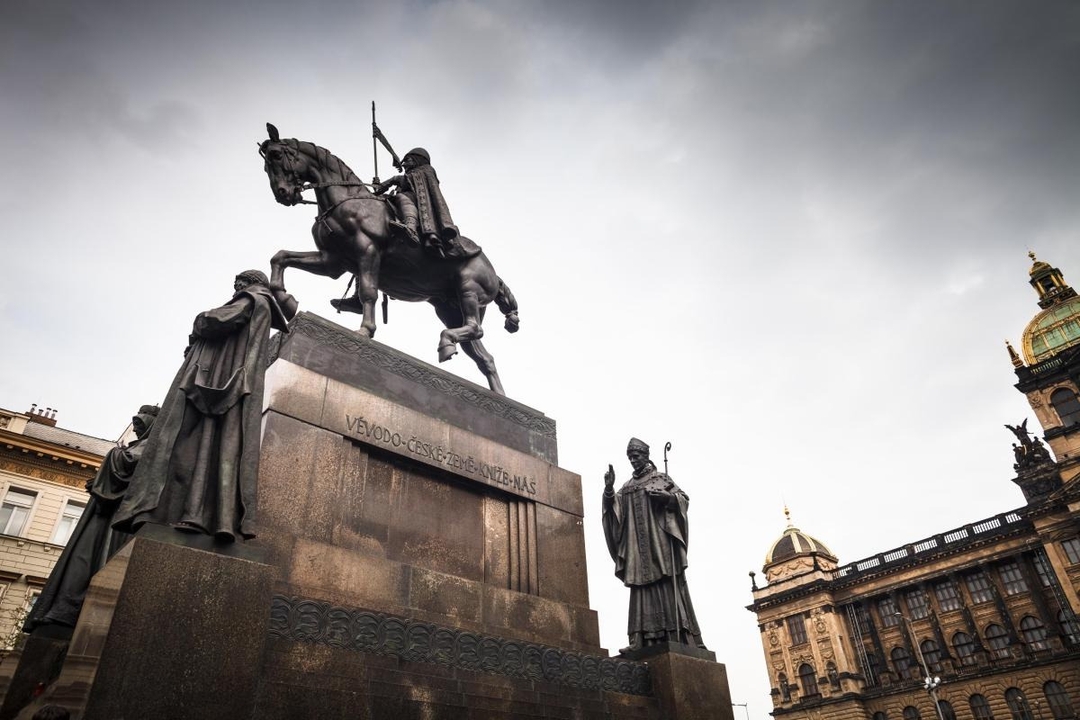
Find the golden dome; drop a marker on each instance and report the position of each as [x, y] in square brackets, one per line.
[1052, 330]
[1058, 325]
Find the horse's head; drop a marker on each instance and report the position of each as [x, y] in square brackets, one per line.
[283, 164]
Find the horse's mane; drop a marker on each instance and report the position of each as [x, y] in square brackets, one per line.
[325, 158]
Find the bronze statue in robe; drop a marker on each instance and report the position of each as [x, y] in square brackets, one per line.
[93, 541]
[646, 528]
[201, 464]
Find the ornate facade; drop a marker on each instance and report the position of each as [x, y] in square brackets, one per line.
[43, 473]
[987, 611]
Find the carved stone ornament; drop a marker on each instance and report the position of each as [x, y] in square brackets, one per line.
[789, 568]
[774, 639]
[1036, 400]
[365, 631]
[779, 666]
[822, 628]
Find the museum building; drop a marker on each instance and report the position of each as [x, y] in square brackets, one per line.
[979, 620]
[43, 473]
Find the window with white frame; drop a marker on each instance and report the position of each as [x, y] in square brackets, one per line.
[68, 520]
[15, 510]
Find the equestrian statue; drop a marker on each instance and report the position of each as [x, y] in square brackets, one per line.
[405, 245]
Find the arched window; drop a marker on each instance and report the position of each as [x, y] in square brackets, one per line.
[998, 640]
[1058, 700]
[1018, 704]
[912, 713]
[946, 709]
[980, 708]
[1070, 628]
[807, 680]
[901, 660]
[964, 646]
[1034, 633]
[1066, 405]
[931, 654]
[872, 669]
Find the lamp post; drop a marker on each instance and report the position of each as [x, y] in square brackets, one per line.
[744, 707]
[930, 682]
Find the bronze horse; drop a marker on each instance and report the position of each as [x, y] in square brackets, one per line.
[353, 234]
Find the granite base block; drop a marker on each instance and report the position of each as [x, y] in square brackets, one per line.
[168, 631]
[689, 688]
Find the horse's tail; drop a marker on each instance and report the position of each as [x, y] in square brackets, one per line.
[508, 306]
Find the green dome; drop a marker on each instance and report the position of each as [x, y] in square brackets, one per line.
[1052, 330]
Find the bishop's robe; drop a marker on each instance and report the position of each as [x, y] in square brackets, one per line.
[647, 538]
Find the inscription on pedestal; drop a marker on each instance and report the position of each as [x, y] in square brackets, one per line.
[433, 452]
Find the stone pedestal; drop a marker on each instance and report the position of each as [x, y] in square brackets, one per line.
[419, 554]
[430, 552]
[688, 686]
[167, 631]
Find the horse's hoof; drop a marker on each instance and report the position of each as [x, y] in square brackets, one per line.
[364, 332]
[446, 352]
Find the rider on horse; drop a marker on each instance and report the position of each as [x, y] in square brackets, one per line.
[424, 215]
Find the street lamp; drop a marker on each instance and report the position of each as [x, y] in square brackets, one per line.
[744, 707]
[930, 682]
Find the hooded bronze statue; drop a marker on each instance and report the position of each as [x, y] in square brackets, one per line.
[93, 541]
[201, 463]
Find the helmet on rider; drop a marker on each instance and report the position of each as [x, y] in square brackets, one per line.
[420, 156]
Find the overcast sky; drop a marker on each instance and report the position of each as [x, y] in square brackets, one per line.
[788, 237]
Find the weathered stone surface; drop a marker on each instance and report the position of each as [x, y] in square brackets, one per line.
[688, 688]
[295, 391]
[449, 596]
[340, 354]
[168, 631]
[565, 490]
[437, 525]
[381, 423]
[300, 484]
[517, 614]
[328, 571]
[561, 556]
[497, 542]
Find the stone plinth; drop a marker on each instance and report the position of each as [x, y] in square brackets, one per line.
[430, 552]
[167, 631]
[688, 687]
[419, 554]
[448, 517]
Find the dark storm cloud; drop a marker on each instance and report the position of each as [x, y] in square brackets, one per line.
[53, 65]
